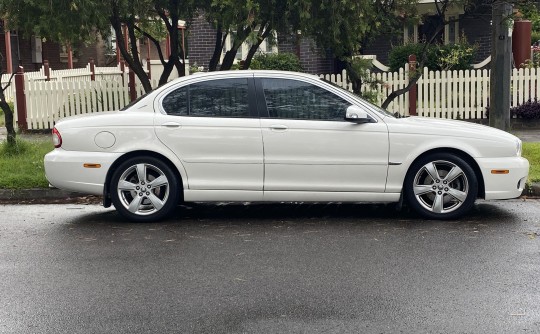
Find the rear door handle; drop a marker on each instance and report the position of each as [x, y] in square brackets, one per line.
[278, 127]
[171, 125]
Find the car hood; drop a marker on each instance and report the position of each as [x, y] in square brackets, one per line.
[447, 127]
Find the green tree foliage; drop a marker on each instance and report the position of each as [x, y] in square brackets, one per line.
[63, 21]
[458, 56]
[74, 21]
[344, 27]
[277, 61]
[359, 72]
[250, 21]
[151, 19]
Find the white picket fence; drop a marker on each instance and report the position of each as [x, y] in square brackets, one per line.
[74, 75]
[460, 94]
[440, 94]
[390, 81]
[453, 94]
[48, 101]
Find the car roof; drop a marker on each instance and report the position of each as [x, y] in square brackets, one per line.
[249, 72]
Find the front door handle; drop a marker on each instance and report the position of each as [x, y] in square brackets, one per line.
[278, 127]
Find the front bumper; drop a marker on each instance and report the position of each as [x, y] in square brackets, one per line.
[65, 170]
[504, 186]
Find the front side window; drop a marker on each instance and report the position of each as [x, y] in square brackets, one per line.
[213, 98]
[294, 99]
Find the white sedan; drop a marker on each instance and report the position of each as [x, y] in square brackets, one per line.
[274, 136]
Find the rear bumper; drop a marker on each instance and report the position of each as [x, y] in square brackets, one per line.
[65, 170]
[504, 186]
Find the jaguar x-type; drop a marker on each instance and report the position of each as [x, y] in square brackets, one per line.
[275, 136]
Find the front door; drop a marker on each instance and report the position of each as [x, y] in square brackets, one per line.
[308, 146]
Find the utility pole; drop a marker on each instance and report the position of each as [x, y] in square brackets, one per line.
[501, 65]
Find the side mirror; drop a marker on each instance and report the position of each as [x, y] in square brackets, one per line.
[357, 115]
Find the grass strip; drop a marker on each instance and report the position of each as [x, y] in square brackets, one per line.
[531, 151]
[21, 166]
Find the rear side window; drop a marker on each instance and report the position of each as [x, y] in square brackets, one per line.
[215, 98]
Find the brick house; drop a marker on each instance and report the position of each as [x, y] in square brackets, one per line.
[201, 41]
[30, 52]
[476, 29]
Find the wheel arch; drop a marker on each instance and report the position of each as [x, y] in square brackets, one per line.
[463, 155]
[106, 191]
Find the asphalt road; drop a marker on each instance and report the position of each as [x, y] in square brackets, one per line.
[270, 269]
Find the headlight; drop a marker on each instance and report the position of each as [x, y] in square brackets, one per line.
[518, 147]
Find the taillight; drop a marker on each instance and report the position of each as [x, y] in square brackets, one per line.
[56, 138]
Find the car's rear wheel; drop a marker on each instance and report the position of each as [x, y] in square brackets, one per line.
[144, 189]
[441, 186]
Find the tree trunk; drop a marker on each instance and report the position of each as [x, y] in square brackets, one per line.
[218, 47]
[172, 28]
[228, 60]
[133, 62]
[356, 80]
[255, 47]
[414, 79]
[8, 113]
[240, 38]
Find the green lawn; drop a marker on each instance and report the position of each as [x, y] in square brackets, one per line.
[531, 151]
[22, 167]
[20, 171]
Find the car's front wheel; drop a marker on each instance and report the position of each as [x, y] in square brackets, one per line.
[441, 186]
[144, 189]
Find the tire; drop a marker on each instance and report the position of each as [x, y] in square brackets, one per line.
[137, 195]
[441, 186]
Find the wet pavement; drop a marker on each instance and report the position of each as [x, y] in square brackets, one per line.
[270, 269]
[532, 135]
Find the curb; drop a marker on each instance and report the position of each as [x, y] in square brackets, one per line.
[49, 195]
[39, 194]
[532, 190]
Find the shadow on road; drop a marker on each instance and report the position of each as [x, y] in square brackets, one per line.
[214, 214]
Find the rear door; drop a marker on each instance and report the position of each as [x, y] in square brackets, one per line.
[214, 129]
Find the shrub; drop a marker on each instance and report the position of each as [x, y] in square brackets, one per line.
[528, 110]
[458, 56]
[535, 37]
[399, 55]
[276, 61]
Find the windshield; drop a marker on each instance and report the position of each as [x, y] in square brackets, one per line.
[365, 103]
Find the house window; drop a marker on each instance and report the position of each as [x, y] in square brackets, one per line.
[110, 44]
[410, 34]
[451, 31]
